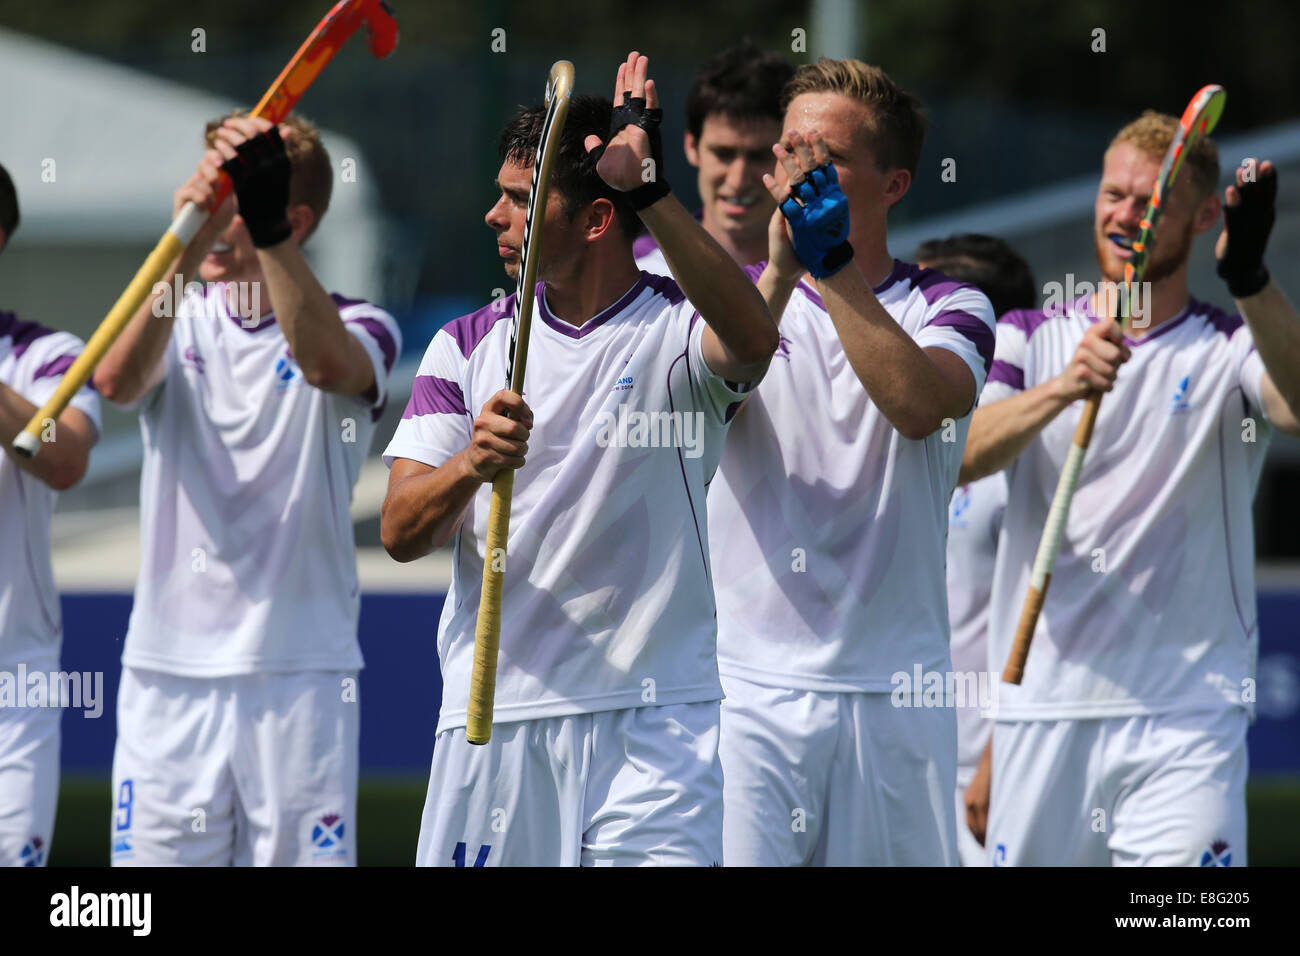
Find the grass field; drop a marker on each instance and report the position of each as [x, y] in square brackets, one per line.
[389, 812]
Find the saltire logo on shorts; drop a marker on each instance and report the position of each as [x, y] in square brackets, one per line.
[327, 835]
[1219, 854]
[1180, 403]
[33, 853]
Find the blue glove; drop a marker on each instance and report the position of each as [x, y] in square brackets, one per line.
[820, 226]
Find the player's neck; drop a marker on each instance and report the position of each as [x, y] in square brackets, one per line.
[874, 262]
[745, 250]
[576, 295]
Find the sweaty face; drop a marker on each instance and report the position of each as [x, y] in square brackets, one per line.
[843, 124]
[732, 156]
[507, 215]
[1127, 181]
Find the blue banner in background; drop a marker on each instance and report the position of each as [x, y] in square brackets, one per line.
[401, 687]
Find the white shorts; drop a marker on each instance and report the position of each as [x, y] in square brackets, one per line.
[835, 779]
[29, 783]
[639, 787]
[1157, 790]
[255, 769]
[969, 850]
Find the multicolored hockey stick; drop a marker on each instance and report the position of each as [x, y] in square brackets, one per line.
[1198, 120]
[330, 34]
[487, 631]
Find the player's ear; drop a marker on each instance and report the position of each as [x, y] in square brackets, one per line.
[692, 149]
[301, 220]
[900, 181]
[601, 217]
[1207, 214]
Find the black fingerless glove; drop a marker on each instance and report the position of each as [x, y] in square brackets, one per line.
[1248, 225]
[633, 112]
[260, 173]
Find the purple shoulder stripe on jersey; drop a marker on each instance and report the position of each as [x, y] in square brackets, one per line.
[434, 396]
[644, 244]
[754, 270]
[1007, 374]
[666, 287]
[379, 332]
[343, 301]
[22, 333]
[971, 328]
[1026, 320]
[55, 366]
[469, 330]
[931, 283]
[1219, 320]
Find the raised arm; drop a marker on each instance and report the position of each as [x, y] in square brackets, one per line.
[1274, 324]
[740, 336]
[134, 363]
[915, 388]
[331, 358]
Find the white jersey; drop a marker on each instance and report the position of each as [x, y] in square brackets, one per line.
[32, 362]
[607, 601]
[1151, 607]
[827, 525]
[247, 559]
[974, 520]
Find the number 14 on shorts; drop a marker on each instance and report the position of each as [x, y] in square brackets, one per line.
[458, 856]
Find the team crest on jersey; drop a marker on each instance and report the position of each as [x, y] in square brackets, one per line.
[783, 347]
[32, 853]
[1180, 403]
[192, 359]
[287, 372]
[1219, 854]
[327, 836]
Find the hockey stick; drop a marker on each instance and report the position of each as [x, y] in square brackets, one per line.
[487, 630]
[1198, 120]
[330, 34]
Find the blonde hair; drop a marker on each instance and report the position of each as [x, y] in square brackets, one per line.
[896, 123]
[1152, 133]
[312, 178]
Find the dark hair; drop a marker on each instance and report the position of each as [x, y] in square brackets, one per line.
[986, 262]
[742, 82]
[574, 174]
[8, 206]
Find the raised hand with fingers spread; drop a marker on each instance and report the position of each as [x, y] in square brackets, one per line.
[812, 203]
[632, 159]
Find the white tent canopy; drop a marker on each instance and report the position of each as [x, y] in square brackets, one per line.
[118, 142]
